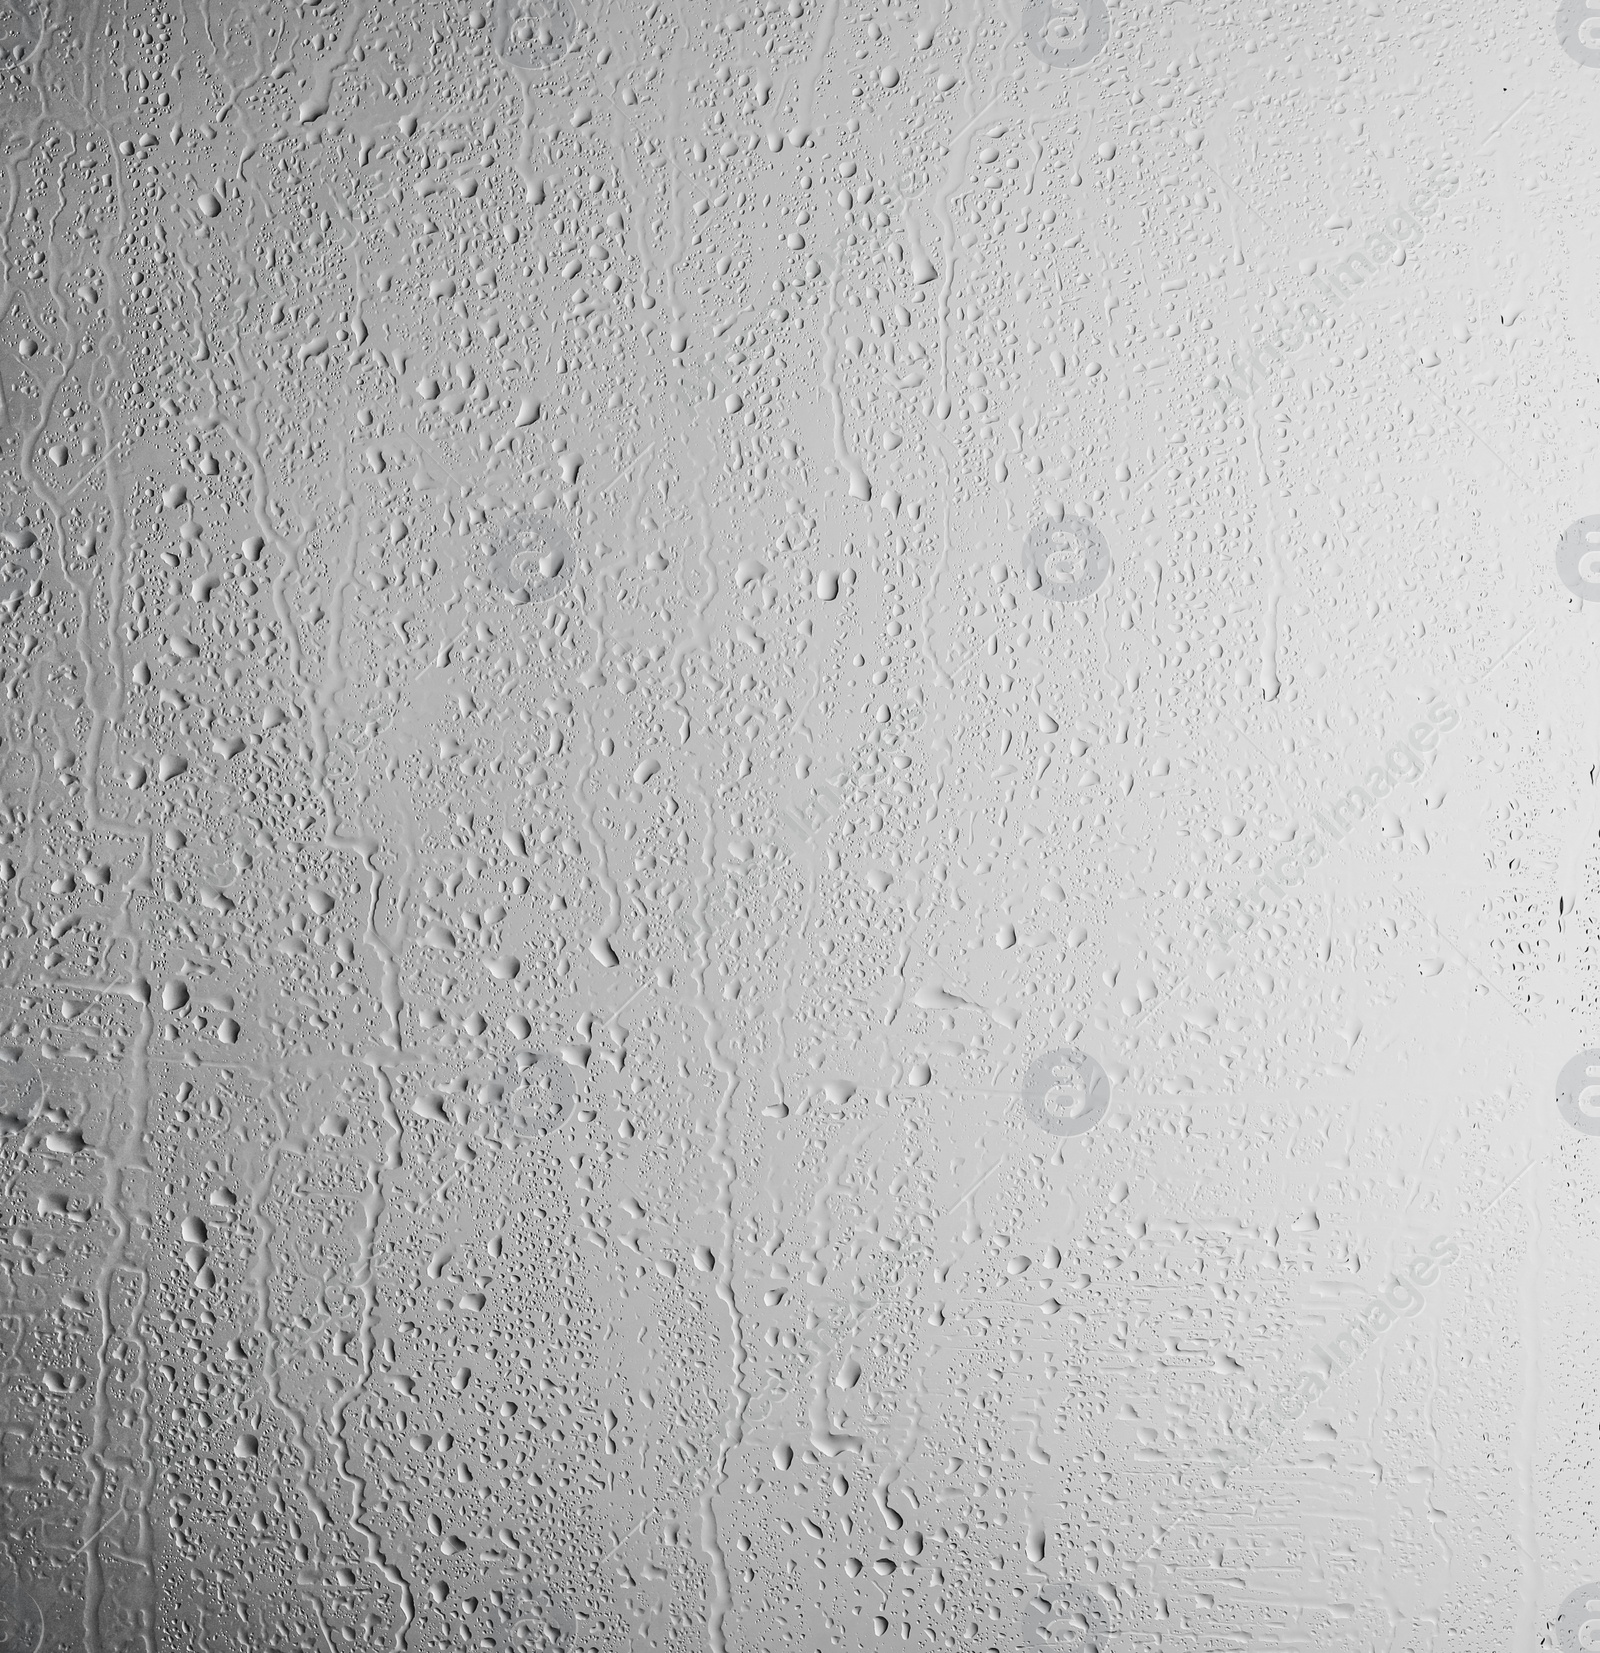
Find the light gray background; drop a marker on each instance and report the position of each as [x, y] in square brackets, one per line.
[632, 635]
